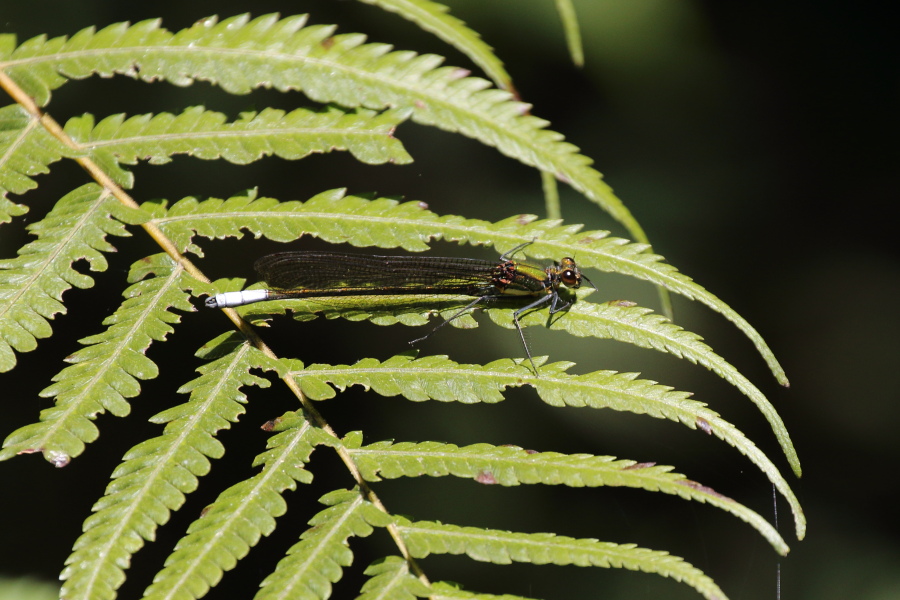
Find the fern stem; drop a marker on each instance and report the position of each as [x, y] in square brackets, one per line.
[348, 461]
[551, 195]
[571, 30]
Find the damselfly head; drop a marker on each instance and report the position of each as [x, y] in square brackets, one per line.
[569, 273]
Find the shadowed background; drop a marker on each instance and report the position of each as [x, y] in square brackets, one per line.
[756, 146]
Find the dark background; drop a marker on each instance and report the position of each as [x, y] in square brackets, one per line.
[754, 142]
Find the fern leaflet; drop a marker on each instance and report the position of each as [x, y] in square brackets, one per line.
[205, 134]
[442, 590]
[31, 286]
[435, 18]
[391, 580]
[105, 373]
[317, 561]
[26, 150]
[506, 465]
[157, 473]
[504, 547]
[240, 515]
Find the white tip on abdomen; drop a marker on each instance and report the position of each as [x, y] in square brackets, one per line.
[229, 299]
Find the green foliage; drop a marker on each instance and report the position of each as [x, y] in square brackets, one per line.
[31, 286]
[26, 149]
[317, 560]
[106, 371]
[156, 474]
[504, 547]
[366, 90]
[436, 18]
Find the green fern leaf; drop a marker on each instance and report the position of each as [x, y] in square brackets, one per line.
[503, 547]
[240, 515]
[317, 561]
[442, 590]
[391, 580]
[206, 134]
[105, 373]
[506, 465]
[239, 54]
[385, 223]
[31, 286]
[435, 18]
[330, 215]
[572, 31]
[9, 209]
[433, 378]
[157, 473]
[26, 148]
[438, 378]
[642, 327]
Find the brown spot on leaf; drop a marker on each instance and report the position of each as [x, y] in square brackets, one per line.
[704, 426]
[486, 477]
[702, 488]
[643, 465]
[622, 303]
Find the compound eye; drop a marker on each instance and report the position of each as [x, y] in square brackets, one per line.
[570, 277]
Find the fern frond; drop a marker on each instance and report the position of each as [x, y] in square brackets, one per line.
[26, 148]
[31, 286]
[391, 580]
[503, 547]
[206, 134]
[240, 54]
[438, 378]
[385, 223]
[435, 18]
[509, 466]
[157, 473]
[243, 513]
[106, 373]
[317, 561]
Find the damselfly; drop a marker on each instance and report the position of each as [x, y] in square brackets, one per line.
[303, 274]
